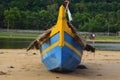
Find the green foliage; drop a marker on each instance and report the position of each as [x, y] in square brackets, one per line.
[107, 38]
[88, 15]
[12, 17]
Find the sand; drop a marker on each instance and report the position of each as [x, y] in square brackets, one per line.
[17, 64]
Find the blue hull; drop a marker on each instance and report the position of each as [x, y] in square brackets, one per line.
[61, 58]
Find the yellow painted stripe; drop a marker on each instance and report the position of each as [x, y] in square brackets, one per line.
[73, 48]
[75, 37]
[67, 44]
[61, 37]
[48, 37]
[51, 47]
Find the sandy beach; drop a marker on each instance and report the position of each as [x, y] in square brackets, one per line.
[17, 64]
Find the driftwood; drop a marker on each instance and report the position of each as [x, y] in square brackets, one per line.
[89, 48]
[74, 30]
[2, 73]
[84, 44]
[35, 43]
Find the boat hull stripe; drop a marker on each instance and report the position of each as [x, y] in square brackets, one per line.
[57, 44]
[50, 41]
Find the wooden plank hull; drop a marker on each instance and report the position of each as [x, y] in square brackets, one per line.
[65, 58]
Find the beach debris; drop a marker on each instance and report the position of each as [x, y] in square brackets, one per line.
[11, 67]
[34, 53]
[2, 73]
[1, 52]
[57, 77]
[99, 75]
[89, 48]
[82, 67]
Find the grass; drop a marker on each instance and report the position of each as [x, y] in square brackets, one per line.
[18, 35]
[107, 38]
[33, 36]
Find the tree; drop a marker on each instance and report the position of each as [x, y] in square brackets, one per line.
[88, 15]
[79, 19]
[1, 16]
[12, 17]
[44, 19]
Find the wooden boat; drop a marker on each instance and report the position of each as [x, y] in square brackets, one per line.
[60, 47]
[61, 50]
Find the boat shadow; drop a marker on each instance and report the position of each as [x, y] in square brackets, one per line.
[65, 71]
[81, 71]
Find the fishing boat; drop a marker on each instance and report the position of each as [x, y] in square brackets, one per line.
[60, 47]
[61, 51]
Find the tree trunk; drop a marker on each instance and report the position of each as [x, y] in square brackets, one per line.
[8, 26]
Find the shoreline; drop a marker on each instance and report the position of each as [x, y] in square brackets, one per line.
[98, 41]
[105, 41]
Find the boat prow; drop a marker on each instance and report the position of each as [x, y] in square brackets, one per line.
[61, 50]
